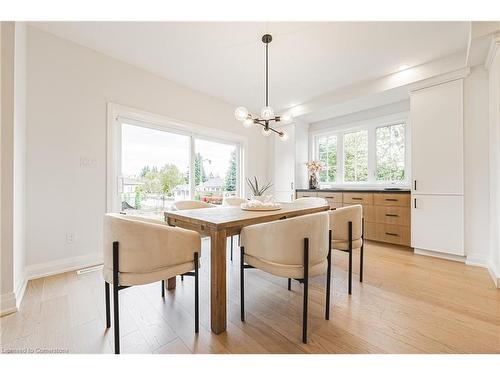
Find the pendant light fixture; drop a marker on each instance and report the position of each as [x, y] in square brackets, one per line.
[267, 115]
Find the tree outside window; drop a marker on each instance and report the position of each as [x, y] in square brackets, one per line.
[390, 150]
[356, 156]
[327, 154]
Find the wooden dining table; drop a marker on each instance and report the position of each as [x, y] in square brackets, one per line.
[219, 223]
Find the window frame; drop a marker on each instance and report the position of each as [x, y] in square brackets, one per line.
[370, 126]
[118, 114]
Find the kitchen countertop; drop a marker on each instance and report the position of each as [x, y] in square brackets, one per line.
[357, 190]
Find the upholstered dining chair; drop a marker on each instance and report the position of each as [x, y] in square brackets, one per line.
[233, 201]
[297, 248]
[190, 205]
[140, 251]
[346, 225]
[312, 200]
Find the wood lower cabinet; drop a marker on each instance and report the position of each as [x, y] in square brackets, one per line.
[387, 215]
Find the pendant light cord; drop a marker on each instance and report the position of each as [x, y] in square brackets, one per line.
[267, 75]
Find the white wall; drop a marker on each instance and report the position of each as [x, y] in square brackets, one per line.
[68, 89]
[494, 157]
[476, 164]
[19, 230]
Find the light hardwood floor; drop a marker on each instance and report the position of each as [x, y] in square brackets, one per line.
[407, 304]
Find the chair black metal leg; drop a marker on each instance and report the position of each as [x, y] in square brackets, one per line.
[306, 290]
[350, 257]
[163, 288]
[116, 303]
[328, 276]
[289, 284]
[182, 277]
[231, 248]
[361, 251]
[196, 295]
[242, 283]
[108, 312]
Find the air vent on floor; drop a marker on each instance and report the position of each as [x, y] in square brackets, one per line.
[83, 271]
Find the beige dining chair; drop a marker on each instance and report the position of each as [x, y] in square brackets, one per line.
[140, 251]
[346, 225]
[233, 201]
[311, 200]
[297, 248]
[190, 205]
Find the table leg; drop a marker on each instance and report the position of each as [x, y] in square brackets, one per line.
[218, 281]
[171, 283]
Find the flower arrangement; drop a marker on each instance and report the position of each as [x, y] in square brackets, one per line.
[315, 166]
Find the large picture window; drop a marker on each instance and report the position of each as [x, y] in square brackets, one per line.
[374, 153]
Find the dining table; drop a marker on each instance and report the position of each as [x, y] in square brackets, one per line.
[221, 222]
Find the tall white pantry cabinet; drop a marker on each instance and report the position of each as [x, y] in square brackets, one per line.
[437, 214]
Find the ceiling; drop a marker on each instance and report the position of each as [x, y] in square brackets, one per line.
[226, 60]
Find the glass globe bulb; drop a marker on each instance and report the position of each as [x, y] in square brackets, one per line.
[286, 118]
[248, 122]
[283, 136]
[241, 113]
[267, 113]
[266, 133]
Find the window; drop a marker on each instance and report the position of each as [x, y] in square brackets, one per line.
[327, 153]
[390, 142]
[154, 161]
[372, 153]
[356, 156]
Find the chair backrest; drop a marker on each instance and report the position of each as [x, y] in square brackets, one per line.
[233, 201]
[339, 222]
[146, 244]
[282, 241]
[311, 200]
[190, 205]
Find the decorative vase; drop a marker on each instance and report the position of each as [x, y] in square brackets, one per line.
[313, 181]
[262, 198]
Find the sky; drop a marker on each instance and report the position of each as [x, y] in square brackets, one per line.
[144, 146]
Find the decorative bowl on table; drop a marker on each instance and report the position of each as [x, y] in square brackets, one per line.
[264, 203]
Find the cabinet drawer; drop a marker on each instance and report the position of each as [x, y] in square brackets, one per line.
[368, 211]
[392, 215]
[384, 199]
[396, 234]
[334, 197]
[358, 198]
[306, 194]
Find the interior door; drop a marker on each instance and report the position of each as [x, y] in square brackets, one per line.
[437, 223]
[437, 139]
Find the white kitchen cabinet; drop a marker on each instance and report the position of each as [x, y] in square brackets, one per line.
[437, 223]
[437, 215]
[436, 115]
[289, 162]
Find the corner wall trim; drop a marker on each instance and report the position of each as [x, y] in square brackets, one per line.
[435, 254]
[494, 273]
[36, 271]
[7, 303]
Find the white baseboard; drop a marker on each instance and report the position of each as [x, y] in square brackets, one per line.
[20, 289]
[476, 261]
[494, 273]
[36, 271]
[435, 254]
[7, 303]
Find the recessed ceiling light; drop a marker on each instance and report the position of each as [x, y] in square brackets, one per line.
[403, 67]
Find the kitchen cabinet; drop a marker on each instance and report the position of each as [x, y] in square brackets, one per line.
[437, 117]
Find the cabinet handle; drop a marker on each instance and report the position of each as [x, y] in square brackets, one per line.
[392, 215]
[414, 184]
[357, 199]
[414, 202]
[329, 197]
[391, 199]
[392, 234]
[291, 185]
